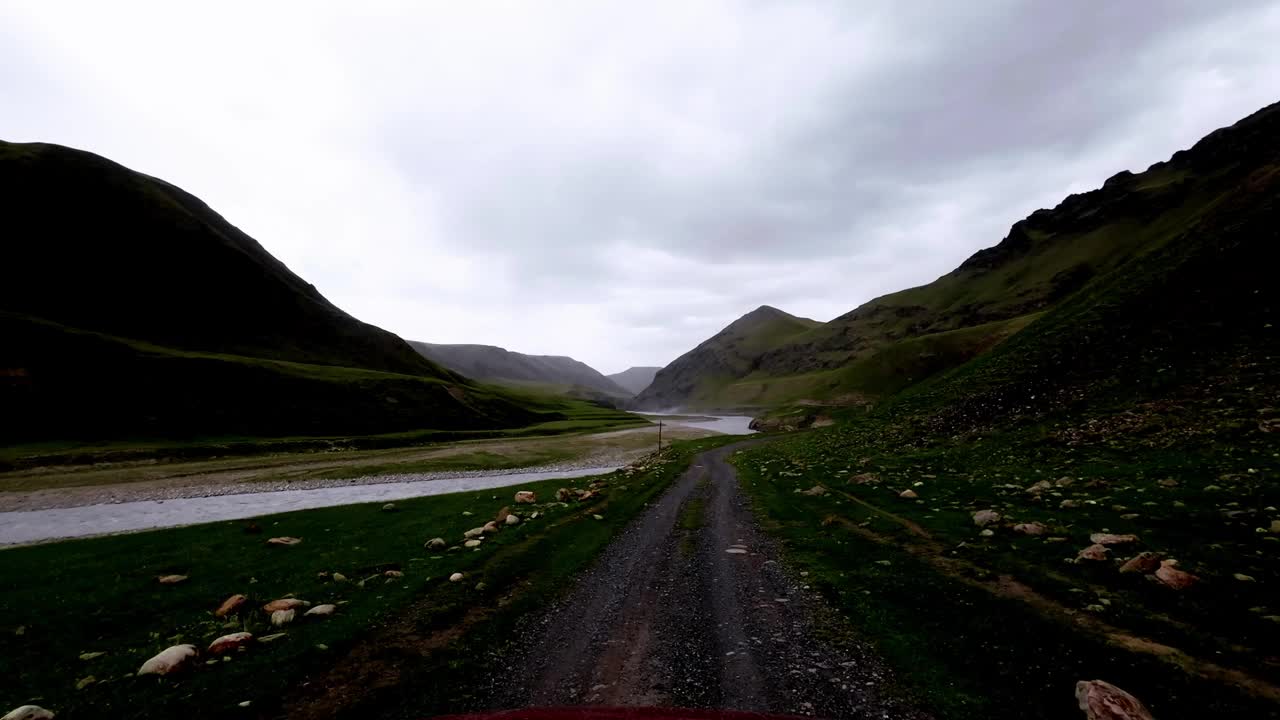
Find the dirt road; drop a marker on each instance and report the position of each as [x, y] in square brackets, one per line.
[691, 608]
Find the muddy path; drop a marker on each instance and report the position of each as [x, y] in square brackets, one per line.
[691, 607]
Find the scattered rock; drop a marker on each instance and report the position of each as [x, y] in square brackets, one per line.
[1109, 539]
[987, 532]
[513, 519]
[1040, 487]
[526, 497]
[389, 507]
[283, 604]
[865, 479]
[1094, 552]
[597, 517]
[1175, 578]
[490, 527]
[28, 712]
[1275, 526]
[285, 540]
[171, 579]
[321, 610]
[473, 533]
[230, 605]
[91, 656]
[815, 491]
[272, 637]
[456, 577]
[908, 494]
[563, 495]
[502, 515]
[1144, 563]
[1103, 701]
[982, 518]
[1244, 578]
[1167, 482]
[339, 577]
[1068, 504]
[393, 574]
[471, 544]
[170, 660]
[1031, 528]
[227, 643]
[1212, 488]
[436, 544]
[280, 618]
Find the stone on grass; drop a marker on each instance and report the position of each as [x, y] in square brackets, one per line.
[526, 497]
[473, 533]
[987, 532]
[171, 579]
[280, 618]
[513, 519]
[456, 577]
[815, 491]
[1040, 487]
[339, 577]
[1174, 578]
[324, 610]
[1244, 578]
[982, 518]
[28, 712]
[230, 605]
[501, 517]
[283, 604]
[1094, 552]
[563, 495]
[284, 540]
[1103, 701]
[1110, 539]
[908, 494]
[389, 507]
[91, 656]
[1031, 528]
[490, 527]
[272, 637]
[1068, 504]
[227, 643]
[864, 479]
[436, 544]
[1275, 526]
[1144, 563]
[393, 574]
[471, 544]
[169, 660]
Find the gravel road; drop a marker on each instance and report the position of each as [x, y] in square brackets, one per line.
[696, 617]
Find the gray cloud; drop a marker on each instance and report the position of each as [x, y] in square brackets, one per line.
[617, 182]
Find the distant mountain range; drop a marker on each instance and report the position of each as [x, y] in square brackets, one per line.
[131, 309]
[1048, 262]
[555, 373]
[634, 379]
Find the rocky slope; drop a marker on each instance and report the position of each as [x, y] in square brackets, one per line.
[129, 308]
[635, 379]
[901, 339]
[495, 364]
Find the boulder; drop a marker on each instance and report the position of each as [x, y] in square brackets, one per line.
[1109, 539]
[526, 497]
[436, 544]
[280, 618]
[284, 540]
[456, 577]
[1040, 487]
[1094, 552]
[283, 604]
[815, 491]
[170, 660]
[230, 605]
[1031, 528]
[1144, 563]
[471, 543]
[171, 579]
[1174, 578]
[563, 495]
[983, 518]
[1103, 701]
[513, 519]
[908, 494]
[324, 610]
[227, 643]
[490, 527]
[28, 712]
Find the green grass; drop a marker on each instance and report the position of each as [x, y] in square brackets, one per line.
[101, 595]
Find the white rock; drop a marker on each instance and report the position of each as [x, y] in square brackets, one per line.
[471, 543]
[526, 496]
[169, 660]
[280, 618]
[322, 610]
[456, 577]
[473, 533]
[28, 712]
[284, 541]
[513, 519]
[436, 544]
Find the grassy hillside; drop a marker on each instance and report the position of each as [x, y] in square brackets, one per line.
[1046, 259]
[131, 310]
[555, 373]
[697, 377]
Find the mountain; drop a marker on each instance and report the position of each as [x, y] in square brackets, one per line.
[698, 377]
[898, 340]
[495, 364]
[130, 308]
[634, 379]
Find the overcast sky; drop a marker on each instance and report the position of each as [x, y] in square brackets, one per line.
[617, 181]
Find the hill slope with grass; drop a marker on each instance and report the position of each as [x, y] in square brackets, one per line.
[698, 377]
[900, 339]
[635, 379]
[129, 308]
[498, 365]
